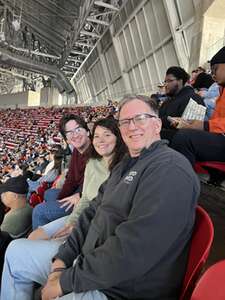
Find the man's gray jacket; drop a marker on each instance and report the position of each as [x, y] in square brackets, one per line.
[132, 241]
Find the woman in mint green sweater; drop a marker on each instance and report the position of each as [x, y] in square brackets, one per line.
[107, 150]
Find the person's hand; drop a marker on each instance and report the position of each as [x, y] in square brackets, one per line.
[174, 121]
[52, 289]
[192, 124]
[63, 232]
[70, 201]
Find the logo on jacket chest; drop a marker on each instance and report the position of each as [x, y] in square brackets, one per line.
[130, 177]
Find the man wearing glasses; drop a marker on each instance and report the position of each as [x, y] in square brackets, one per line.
[75, 132]
[132, 241]
[179, 94]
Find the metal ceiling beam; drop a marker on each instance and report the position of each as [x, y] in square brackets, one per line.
[42, 34]
[94, 20]
[69, 66]
[64, 10]
[5, 71]
[50, 31]
[84, 44]
[88, 33]
[74, 60]
[78, 52]
[106, 5]
[43, 5]
[78, 25]
[35, 52]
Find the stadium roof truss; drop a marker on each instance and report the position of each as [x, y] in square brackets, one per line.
[59, 33]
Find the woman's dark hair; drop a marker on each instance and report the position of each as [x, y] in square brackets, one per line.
[58, 158]
[65, 119]
[120, 148]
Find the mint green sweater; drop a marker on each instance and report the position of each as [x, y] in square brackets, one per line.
[96, 172]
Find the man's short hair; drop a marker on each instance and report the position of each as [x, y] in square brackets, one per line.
[179, 73]
[150, 102]
[65, 119]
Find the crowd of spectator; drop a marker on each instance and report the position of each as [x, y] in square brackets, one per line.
[27, 134]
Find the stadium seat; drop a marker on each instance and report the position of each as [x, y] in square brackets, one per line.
[201, 167]
[201, 242]
[211, 284]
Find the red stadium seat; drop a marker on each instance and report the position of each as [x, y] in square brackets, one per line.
[201, 242]
[211, 284]
[201, 167]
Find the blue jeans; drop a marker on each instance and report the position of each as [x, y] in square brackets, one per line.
[49, 210]
[26, 262]
[51, 228]
[29, 261]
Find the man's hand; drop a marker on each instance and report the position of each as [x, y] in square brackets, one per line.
[52, 289]
[177, 122]
[70, 201]
[192, 124]
[63, 232]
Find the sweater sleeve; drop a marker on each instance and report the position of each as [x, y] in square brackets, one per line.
[74, 178]
[84, 201]
[136, 240]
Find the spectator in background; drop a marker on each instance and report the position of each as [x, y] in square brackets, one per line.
[210, 96]
[179, 94]
[203, 80]
[205, 140]
[17, 221]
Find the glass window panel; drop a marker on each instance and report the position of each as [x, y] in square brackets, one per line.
[153, 72]
[170, 55]
[145, 75]
[161, 19]
[124, 51]
[186, 10]
[151, 23]
[130, 45]
[136, 37]
[160, 60]
[132, 81]
[139, 81]
[144, 31]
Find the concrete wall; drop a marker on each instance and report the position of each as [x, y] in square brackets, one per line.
[49, 96]
[11, 100]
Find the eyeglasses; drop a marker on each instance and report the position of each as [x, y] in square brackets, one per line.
[169, 80]
[138, 120]
[74, 131]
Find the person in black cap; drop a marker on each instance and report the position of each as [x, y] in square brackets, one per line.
[205, 140]
[19, 217]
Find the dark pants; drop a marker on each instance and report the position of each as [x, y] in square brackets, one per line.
[198, 145]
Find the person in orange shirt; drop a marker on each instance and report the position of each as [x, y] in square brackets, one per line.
[205, 140]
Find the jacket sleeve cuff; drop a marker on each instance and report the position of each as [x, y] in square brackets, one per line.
[206, 125]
